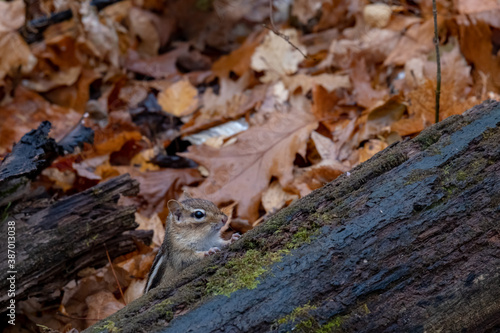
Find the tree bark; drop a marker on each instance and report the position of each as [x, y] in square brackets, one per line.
[49, 242]
[409, 241]
[53, 241]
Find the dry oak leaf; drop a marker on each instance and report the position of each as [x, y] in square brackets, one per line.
[238, 61]
[162, 66]
[101, 38]
[306, 10]
[232, 102]
[242, 171]
[101, 305]
[179, 99]
[330, 82]
[276, 57]
[417, 41]
[14, 52]
[26, 111]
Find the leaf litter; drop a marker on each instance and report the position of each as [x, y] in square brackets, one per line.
[200, 97]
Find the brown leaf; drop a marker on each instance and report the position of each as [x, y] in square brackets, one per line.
[276, 57]
[162, 66]
[330, 82]
[417, 41]
[26, 111]
[475, 43]
[232, 102]
[238, 61]
[242, 171]
[14, 52]
[101, 305]
[275, 198]
[473, 6]
[371, 148]
[180, 99]
[365, 95]
[153, 223]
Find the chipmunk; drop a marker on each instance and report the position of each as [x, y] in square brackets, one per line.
[192, 232]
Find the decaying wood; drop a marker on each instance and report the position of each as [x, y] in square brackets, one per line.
[31, 155]
[407, 242]
[56, 240]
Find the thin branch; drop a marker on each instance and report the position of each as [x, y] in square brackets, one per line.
[114, 274]
[276, 31]
[438, 60]
[286, 38]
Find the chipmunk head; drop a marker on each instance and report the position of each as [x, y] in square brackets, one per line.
[197, 214]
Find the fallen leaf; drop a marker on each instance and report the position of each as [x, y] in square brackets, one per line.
[306, 10]
[232, 102]
[238, 61]
[180, 99]
[134, 290]
[364, 94]
[101, 39]
[276, 57]
[370, 148]
[330, 82]
[471, 6]
[101, 305]
[242, 171]
[15, 53]
[377, 15]
[417, 41]
[152, 223]
[26, 111]
[159, 67]
[275, 198]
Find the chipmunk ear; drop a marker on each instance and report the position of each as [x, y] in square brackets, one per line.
[175, 207]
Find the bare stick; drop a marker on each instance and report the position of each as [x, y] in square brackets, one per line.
[276, 31]
[438, 61]
[114, 274]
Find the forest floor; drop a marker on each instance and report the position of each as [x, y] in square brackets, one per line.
[249, 104]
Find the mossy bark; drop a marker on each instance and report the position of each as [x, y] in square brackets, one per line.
[407, 242]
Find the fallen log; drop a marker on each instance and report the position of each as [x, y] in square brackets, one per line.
[31, 155]
[409, 241]
[46, 243]
[53, 241]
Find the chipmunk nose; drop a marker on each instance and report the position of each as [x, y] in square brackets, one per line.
[224, 219]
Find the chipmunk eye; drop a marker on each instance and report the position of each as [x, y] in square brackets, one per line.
[199, 214]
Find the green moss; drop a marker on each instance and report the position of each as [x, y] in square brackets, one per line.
[418, 175]
[242, 272]
[332, 325]
[96, 191]
[297, 313]
[425, 140]
[303, 235]
[434, 150]
[461, 175]
[108, 325]
[165, 308]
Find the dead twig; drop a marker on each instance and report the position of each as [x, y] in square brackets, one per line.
[438, 60]
[279, 34]
[114, 274]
